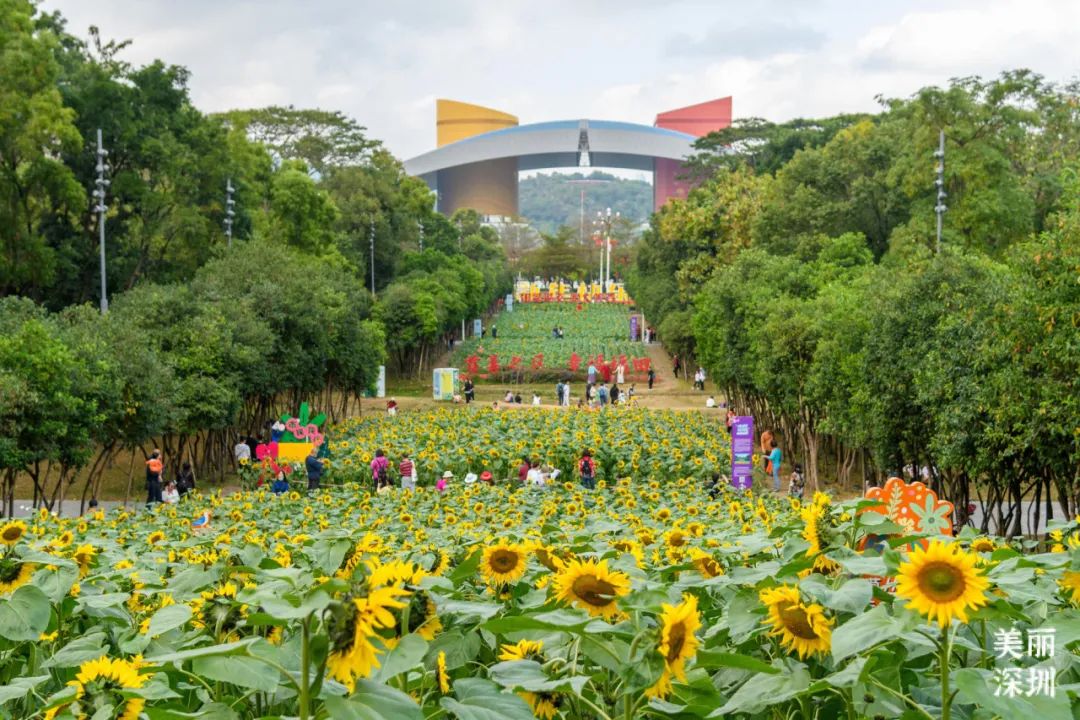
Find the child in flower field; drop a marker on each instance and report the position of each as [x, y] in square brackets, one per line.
[587, 469]
[407, 471]
[796, 483]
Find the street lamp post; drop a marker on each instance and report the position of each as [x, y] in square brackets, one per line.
[605, 222]
[229, 213]
[939, 182]
[371, 242]
[99, 196]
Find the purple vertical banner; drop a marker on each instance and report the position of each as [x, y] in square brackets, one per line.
[633, 328]
[742, 452]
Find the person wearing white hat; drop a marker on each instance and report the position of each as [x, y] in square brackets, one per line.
[444, 481]
[470, 478]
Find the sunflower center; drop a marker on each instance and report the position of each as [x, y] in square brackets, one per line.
[504, 561]
[11, 534]
[677, 539]
[797, 623]
[941, 582]
[8, 573]
[594, 591]
[676, 640]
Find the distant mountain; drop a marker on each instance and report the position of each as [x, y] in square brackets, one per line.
[551, 200]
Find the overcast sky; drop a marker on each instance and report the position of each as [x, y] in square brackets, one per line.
[385, 62]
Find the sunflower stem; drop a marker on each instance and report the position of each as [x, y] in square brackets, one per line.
[946, 652]
[914, 705]
[305, 670]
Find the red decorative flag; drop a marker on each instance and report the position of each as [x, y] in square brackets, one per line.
[493, 363]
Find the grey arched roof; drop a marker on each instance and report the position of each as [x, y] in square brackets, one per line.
[559, 144]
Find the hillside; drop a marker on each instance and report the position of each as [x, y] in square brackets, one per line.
[551, 200]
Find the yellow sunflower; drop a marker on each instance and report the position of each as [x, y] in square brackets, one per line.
[12, 531]
[545, 705]
[440, 672]
[352, 629]
[155, 537]
[983, 544]
[941, 582]
[592, 586]
[84, 555]
[677, 642]
[705, 563]
[802, 628]
[62, 540]
[503, 563]
[100, 682]
[523, 650]
[14, 575]
[1070, 586]
[813, 516]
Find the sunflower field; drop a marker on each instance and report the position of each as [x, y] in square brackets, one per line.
[640, 599]
[591, 333]
[624, 441]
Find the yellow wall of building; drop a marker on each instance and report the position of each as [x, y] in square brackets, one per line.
[457, 120]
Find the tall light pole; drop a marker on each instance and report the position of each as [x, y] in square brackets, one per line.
[939, 182]
[371, 241]
[605, 221]
[421, 226]
[99, 197]
[229, 213]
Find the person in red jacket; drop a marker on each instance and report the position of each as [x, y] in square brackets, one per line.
[587, 469]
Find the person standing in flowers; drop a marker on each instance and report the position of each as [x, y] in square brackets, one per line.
[470, 391]
[380, 469]
[154, 466]
[407, 471]
[775, 458]
[314, 468]
[652, 377]
[796, 483]
[587, 470]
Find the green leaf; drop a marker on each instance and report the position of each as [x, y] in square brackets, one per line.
[849, 675]
[238, 670]
[24, 615]
[19, 687]
[232, 648]
[711, 659]
[78, 651]
[56, 583]
[406, 655]
[467, 610]
[852, 597]
[865, 631]
[479, 699]
[529, 675]
[168, 618]
[374, 701]
[761, 691]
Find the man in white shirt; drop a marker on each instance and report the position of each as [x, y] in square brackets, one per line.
[242, 451]
[711, 402]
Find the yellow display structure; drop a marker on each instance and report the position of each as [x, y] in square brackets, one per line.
[458, 120]
[293, 451]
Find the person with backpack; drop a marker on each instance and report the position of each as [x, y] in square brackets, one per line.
[559, 387]
[154, 467]
[587, 470]
[380, 469]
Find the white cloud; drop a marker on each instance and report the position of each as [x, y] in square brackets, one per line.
[385, 63]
